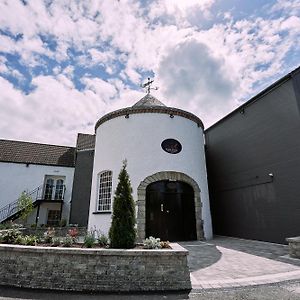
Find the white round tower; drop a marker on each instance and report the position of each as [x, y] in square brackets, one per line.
[164, 149]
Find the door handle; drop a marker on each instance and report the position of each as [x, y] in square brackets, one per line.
[161, 207]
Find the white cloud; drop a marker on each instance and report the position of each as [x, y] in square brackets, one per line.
[68, 71]
[54, 112]
[179, 12]
[101, 88]
[196, 81]
[65, 81]
[196, 67]
[291, 6]
[254, 50]
[3, 67]
[291, 24]
[101, 56]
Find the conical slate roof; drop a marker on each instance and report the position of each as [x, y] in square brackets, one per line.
[148, 101]
[151, 105]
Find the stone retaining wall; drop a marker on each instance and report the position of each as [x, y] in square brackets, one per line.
[109, 270]
[294, 246]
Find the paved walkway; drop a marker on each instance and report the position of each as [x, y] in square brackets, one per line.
[229, 262]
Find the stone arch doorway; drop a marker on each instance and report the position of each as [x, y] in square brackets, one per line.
[168, 176]
[170, 211]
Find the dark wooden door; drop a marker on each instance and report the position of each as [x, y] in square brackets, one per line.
[170, 211]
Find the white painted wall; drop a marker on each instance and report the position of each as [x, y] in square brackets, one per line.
[138, 139]
[15, 178]
[43, 213]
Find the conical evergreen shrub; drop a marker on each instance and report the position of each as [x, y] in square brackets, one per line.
[122, 232]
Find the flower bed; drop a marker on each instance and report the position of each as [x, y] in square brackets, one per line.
[110, 270]
[53, 237]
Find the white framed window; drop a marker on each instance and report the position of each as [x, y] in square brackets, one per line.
[54, 188]
[104, 191]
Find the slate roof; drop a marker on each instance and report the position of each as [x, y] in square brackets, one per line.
[35, 153]
[149, 104]
[172, 111]
[148, 101]
[85, 141]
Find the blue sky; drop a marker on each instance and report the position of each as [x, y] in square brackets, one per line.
[63, 64]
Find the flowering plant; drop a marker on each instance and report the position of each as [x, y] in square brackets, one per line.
[73, 233]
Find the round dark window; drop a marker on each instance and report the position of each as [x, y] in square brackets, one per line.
[171, 146]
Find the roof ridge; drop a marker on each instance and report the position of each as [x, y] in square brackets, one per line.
[36, 143]
[36, 153]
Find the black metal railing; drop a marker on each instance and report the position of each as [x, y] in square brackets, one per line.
[38, 193]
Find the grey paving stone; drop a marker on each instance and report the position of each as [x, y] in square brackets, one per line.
[239, 262]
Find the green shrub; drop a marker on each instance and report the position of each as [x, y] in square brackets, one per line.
[10, 235]
[122, 233]
[152, 243]
[10, 225]
[25, 205]
[56, 241]
[49, 235]
[29, 240]
[67, 241]
[19, 240]
[103, 240]
[89, 240]
[6, 225]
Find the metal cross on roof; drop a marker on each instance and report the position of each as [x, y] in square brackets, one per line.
[147, 85]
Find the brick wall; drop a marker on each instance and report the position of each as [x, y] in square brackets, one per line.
[94, 269]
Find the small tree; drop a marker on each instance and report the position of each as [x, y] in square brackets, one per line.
[122, 232]
[25, 206]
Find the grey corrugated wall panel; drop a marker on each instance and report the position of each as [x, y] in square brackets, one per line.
[82, 188]
[241, 151]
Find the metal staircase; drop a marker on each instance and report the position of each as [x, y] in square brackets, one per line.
[11, 210]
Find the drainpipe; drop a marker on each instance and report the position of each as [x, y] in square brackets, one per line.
[37, 214]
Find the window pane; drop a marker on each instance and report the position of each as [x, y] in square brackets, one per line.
[49, 189]
[104, 194]
[59, 189]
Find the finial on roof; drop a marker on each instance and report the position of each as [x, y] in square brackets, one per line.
[148, 101]
[147, 86]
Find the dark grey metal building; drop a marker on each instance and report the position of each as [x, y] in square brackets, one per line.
[253, 157]
[82, 179]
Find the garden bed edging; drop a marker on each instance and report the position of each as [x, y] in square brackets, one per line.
[294, 246]
[107, 270]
